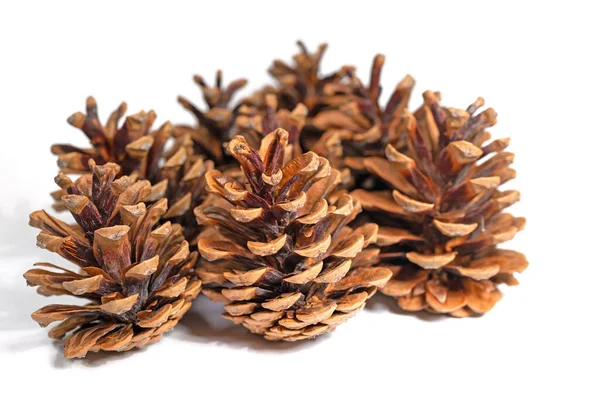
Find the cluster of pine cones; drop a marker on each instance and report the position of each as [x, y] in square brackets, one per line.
[292, 207]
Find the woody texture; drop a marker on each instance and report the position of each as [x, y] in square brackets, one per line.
[285, 261]
[131, 145]
[292, 206]
[353, 124]
[175, 171]
[300, 81]
[213, 127]
[135, 273]
[442, 213]
[255, 121]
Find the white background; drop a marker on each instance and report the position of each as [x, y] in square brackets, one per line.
[535, 64]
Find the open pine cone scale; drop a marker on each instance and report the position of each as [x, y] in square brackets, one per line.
[285, 255]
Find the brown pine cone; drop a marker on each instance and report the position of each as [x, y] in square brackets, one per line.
[180, 179]
[132, 146]
[442, 215]
[353, 124]
[302, 81]
[286, 263]
[137, 276]
[214, 124]
[176, 173]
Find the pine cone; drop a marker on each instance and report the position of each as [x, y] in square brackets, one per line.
[131, 146]
[213, 128]
[176, 173]
[302, 81]
[442, 219]
[137, 276]
[181, 181]
[354, 125]
[287, 264]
